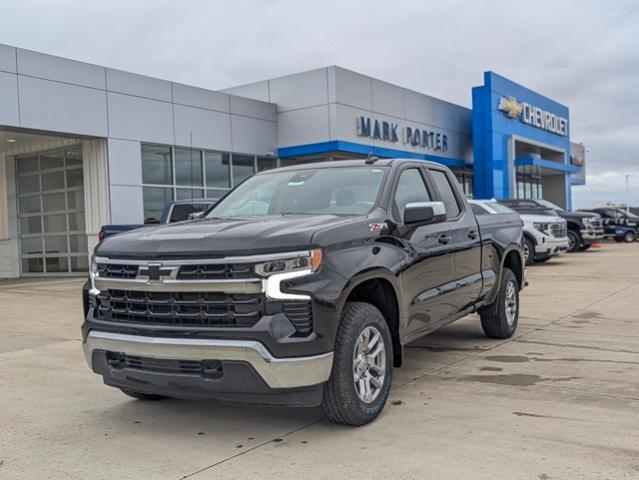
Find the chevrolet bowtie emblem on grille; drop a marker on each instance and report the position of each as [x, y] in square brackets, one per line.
[510, 106]
[154, 272]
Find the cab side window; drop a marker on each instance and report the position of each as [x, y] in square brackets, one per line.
[410, 188]
[445, 189]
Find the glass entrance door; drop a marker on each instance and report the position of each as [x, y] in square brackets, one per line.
[50, 197]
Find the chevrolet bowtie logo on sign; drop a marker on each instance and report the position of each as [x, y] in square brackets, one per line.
[533, 116]
[510, 106]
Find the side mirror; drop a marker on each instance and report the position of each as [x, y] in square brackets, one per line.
[424, 212]
[196, 215]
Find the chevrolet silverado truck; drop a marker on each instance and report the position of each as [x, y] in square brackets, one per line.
[584, 228]
[544, 236]
[300, 287]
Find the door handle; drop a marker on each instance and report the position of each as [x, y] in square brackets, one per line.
[444, 239]
[472, 235]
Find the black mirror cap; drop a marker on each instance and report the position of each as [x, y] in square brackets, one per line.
[424, 213]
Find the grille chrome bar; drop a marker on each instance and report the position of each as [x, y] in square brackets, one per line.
[170, 285]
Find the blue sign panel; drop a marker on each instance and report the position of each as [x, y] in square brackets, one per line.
[503, 110]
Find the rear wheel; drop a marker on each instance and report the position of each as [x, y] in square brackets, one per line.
[142, 396]
[574, 241]
[360, 380]
[629, 236]
[500, 319]
[529, 251]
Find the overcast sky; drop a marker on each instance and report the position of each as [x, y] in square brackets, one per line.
[584, 54]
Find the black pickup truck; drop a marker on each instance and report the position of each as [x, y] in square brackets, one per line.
[300, 287]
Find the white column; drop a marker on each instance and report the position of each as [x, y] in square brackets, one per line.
[9, 254]
[96, 188]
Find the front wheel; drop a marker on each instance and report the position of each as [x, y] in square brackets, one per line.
[500, 319]
[629, 237]
[529, 251]
[574, 241]
[360, 380]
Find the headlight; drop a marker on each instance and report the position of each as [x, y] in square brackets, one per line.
[310, 261]
[93, 272]
[588, 221]
[542, 227]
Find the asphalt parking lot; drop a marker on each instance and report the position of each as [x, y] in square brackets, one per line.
[559, 400]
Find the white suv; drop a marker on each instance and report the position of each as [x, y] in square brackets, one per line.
[544, 236]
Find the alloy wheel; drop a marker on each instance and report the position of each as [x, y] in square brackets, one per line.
[369, 364]
[511, 303]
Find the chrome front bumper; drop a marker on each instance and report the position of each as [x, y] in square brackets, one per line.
[276, 372]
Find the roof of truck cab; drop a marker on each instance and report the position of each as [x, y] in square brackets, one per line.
[382, 162]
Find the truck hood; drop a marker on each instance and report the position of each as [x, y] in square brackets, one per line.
[576, 215]
[219, 237]
[529, 218]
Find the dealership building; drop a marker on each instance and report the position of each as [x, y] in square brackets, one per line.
[83, 145]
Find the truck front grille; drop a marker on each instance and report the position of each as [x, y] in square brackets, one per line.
[215, 272]
[115, 270]
[558, 230]
[206, 368]
[191, 309]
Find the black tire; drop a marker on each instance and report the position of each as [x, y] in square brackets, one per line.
[529, 251]
[574, 241]
[341, 402]
[149, 397]
[585, 247]
[629, 237]
[618, 239]
[495, 321]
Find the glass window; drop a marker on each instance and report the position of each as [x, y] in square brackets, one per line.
[217, 169]
[75, 199]
[74, 157]
[446, 192]
[28, 184]
[31, 246]
[79, 264]
[331, 191]
[57, 264]
[76, 222]
[28, 164]
[57, 244]
[243, 168]
[52, 160]
[52, 181]
[29, 204]
[74, 178]
[155, 198]
[55, 223]
[188, 167]
[78, 243]
[33, 265]
[410, 189]
[30, 225]
[53, 202]
[156, 165]
[188, 193]
[266, 163]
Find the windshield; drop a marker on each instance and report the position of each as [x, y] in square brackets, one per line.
[550, 205]
[319, 191]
